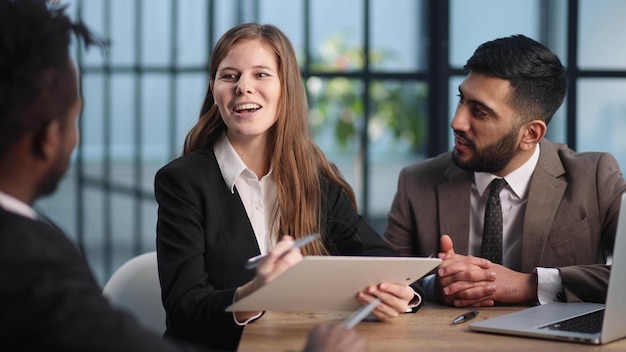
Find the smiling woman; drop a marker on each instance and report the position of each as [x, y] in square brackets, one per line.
[246, 90]
[250, 181]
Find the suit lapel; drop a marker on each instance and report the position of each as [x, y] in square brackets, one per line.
[454, 207]
[232, 221]
[545, 193]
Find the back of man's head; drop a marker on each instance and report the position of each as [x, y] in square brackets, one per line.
[535, 74]
[35, 69]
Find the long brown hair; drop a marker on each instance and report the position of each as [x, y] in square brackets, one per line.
[299, 165]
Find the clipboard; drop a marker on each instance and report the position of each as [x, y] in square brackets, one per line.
[330, 283]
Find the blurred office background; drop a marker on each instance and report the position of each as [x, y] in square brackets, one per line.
[382, 78]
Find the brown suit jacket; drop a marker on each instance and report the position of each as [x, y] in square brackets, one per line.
[570, 220]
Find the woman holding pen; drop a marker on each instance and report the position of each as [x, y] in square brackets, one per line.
[251, 179]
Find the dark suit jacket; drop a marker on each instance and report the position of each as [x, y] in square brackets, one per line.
[204, 239]
[49, 300]
[570, 219]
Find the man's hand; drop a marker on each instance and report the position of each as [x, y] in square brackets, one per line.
[514, 287]
[463, 281]
[334, 337]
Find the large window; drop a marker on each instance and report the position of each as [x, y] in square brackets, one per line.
[381, 77]
[601, 89]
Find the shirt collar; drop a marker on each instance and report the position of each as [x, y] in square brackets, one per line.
[229, 161]
[15, 205]
[518, 180]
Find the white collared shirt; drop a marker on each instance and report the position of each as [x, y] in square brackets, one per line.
[14, 205]
[259, 196]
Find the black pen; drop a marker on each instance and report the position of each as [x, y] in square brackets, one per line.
[465, 317]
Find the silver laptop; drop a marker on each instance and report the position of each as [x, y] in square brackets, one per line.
[574, 321]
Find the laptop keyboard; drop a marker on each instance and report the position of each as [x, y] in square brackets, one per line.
[589, 323]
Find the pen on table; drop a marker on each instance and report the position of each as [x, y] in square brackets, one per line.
[360, 314]
[465, 317]
[254, 261]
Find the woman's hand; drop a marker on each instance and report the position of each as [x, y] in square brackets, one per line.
[395, 299]
[282, 257]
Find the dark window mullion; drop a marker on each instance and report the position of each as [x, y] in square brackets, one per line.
[363, 155]
[572, 72]
[138, 119]
[173, 74]
[440, 74]
[106, 169]
[80, 165]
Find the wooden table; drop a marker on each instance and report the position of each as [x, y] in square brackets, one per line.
[429, 329]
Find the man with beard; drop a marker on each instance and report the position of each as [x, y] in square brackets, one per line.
[559, 208]
[49, 300]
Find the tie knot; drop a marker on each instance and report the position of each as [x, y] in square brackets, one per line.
[496, 186]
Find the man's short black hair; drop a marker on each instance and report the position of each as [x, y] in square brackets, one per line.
[535, 74]
[34, 61]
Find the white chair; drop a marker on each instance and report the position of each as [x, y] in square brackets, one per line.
[135, 288]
